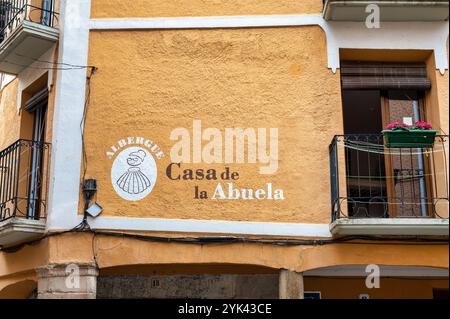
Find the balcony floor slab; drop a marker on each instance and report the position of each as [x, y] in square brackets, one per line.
[390, 10]
[27, 43]
[19, 230]
[390, 227]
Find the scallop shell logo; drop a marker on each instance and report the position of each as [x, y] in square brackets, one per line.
[134, 173]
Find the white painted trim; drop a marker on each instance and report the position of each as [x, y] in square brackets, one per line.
[206, 22]
[385, 271]
[212, 227]
[350, 35]
[201, 226]
[6, 79]
[391, 36]
[69, 105]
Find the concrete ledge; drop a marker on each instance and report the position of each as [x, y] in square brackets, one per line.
[24, 45]
[390, 227]
[385, 271]
[391, 10]
[18, 230]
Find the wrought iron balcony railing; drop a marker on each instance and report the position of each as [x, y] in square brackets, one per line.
[14, 12]
[23, 180]
[371, 181]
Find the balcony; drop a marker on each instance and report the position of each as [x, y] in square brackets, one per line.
[23, 191]
[390, 10]
[379, 191]
[26, 33]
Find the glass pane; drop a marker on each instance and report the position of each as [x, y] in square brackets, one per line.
[407, 175]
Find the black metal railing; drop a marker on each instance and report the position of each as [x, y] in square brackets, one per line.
[14, 12]
[23, 180]
[371, 181]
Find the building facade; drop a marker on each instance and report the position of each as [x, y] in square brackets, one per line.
[222, 149]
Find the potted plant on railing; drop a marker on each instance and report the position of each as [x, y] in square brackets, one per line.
[401, 135]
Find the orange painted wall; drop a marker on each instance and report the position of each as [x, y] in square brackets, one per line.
[116, 255]
[9, 132]
[151, 82]
[19, 290]
[437, 104]
[15, 123]
[390, 288]
[179, 8]
[114, 252]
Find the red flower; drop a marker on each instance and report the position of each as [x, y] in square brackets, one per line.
[396, 125]
[421, 125]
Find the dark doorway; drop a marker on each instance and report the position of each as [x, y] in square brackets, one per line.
[362, 112]
[383, 182]
[365, 171]
[440, 294]
[37, 106]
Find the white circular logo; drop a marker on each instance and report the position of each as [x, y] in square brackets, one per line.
[134, 173]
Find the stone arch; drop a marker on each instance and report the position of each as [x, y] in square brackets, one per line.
[23, 289]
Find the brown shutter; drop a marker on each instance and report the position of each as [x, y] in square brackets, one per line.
[37, 100]
[384, 76]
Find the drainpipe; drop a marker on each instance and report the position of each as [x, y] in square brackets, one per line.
[423, 203]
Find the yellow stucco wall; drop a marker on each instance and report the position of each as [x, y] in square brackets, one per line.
[117, 251]
[139, 257]
[15, 123]
[9, 114]
[179, 8]
[438, 110]
[150, 82]
[390, 288]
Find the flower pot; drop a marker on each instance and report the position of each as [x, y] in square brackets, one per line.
[409, 138]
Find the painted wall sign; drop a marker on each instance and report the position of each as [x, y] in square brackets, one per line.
[206, 146]
[134, 171]
[240, 142]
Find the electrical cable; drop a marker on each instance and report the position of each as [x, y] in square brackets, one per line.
[81, 228]
[64, 66]
[46, 68]
[83, 120]
[56, 63]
